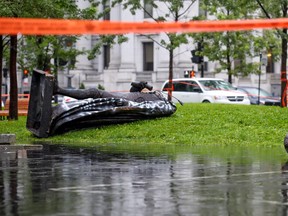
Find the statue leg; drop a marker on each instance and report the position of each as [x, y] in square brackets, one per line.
[97, 93]
[81, 93]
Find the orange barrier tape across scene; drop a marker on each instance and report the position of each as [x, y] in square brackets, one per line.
[29, 26]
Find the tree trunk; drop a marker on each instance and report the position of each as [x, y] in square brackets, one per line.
[284, 61]
[13, 108]
[170, 74]
[228, 59]
[1, 67]
[229, 69]
[283, 71]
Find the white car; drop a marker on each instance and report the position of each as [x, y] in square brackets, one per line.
[204, 90]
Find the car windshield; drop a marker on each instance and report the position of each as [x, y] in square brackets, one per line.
[211, 85]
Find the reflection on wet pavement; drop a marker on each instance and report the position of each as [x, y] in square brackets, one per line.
[60, 181]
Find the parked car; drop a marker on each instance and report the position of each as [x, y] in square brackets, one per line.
[205, 90]
[265, 98]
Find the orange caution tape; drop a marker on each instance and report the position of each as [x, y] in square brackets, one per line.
[27, 26]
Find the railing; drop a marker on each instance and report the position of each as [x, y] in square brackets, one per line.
[19, 96]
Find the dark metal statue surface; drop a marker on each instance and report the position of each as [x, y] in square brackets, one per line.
[93, 108]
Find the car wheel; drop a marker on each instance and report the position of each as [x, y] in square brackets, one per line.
[205, 101]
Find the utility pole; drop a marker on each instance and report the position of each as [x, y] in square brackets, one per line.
[259, 80]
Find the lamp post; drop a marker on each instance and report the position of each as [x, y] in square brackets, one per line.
[5, 75]
[259, 80]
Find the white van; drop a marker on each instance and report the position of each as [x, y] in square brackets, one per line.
[204, 90]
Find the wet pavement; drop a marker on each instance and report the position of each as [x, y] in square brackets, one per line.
[59, 181]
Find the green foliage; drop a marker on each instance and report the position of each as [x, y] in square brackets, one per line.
[82, 86]
[274, 9]
[101, 87]
[228, 47]
[192, 124]
[39, 8]
[38, 51]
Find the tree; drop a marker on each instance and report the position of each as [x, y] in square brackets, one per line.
[9, 9]
[278, 9]
[233, 50]
[30, 9]
[4, 47]
[41, 50]
[13, 106]
[165, 10]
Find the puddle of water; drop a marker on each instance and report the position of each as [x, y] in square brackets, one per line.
[186, 181]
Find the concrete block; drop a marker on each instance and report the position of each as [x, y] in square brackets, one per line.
[7, 139]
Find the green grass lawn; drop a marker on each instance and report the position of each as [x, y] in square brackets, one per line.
[192, 124]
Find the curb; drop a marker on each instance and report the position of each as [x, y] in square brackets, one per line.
[7, 139]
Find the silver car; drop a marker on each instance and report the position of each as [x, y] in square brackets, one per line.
[260, 96]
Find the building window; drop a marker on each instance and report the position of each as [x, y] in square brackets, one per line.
[106, 54]
[148, 9]
[148, 56]
[205, 66]
[106, 11]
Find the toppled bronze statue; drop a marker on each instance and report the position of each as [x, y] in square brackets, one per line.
[93, 108]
